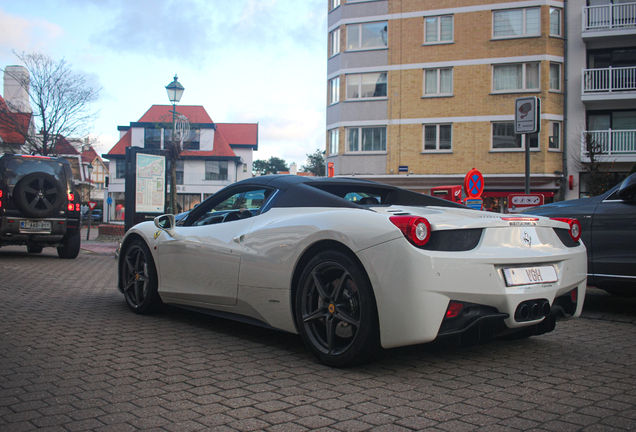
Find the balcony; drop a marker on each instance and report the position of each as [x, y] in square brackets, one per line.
[611, 145]
[609, 20]
[607, 84]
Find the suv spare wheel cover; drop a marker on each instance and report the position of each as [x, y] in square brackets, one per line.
[38, 195]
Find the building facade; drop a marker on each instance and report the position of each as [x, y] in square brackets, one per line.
[214, 156]
[422, 91]
[601, 94]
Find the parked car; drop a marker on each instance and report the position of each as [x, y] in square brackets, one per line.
[38, 204]
[608, 230]
[356, 266]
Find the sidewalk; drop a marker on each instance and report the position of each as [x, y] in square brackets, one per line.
[95, 246]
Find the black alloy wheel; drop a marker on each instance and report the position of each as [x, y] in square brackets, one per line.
[139, 279]
[38, 195]
[336, 311]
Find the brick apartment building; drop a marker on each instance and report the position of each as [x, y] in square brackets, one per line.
[422, 91]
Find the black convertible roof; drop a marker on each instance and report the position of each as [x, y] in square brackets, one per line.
[330, 192]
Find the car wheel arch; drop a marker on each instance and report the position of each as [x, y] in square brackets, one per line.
[122, 252]
[308, 254]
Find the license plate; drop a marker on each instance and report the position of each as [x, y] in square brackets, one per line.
[530, 275]
[39, 226]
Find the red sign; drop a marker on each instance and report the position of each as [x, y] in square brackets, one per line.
[91, 204]
[474, 184]
[518, 202]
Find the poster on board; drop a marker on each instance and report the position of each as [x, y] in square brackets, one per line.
[150, 193]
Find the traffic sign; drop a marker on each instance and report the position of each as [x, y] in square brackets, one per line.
[109, 200]
[527, 115]
[91, 204]
[474, 203]
[518, 202]
[473, 183]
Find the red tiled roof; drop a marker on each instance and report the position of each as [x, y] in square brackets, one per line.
[161, 113]
[10, 132]
[90, 155]
[120, 147]
[239, 133]
[64, 147]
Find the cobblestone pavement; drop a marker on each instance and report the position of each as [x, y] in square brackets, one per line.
[73, 358]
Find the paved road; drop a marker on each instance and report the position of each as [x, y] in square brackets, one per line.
[73, 358]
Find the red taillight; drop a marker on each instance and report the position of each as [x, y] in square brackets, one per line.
[70, 207]
[416, 229]
[454, 308]
[77, 207]
[71, 197]
[575, 227]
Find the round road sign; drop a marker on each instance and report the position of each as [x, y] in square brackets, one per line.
[474, 183]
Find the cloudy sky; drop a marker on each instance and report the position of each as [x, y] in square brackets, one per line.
[261, 61]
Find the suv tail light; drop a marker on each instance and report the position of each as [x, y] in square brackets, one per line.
[575, 227]
[0, 198]
[416, 229]
[71, 197]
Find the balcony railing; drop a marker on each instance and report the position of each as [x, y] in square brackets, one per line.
[609, 17]
[608, 80]
[608, 142]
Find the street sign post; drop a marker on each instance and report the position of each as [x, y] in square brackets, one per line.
[474, 187]
[527, 121]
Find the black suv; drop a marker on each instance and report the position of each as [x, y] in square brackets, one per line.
[38, 204]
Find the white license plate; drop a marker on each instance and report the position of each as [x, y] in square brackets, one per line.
[530, 275]
[40, 226]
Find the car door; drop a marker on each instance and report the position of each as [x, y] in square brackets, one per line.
[200, 262]
[614, 237]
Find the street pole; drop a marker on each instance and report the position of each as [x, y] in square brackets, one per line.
[527, 145]
[90, 209]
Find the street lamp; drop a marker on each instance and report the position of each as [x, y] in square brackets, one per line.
[89, 168]
[175, 91]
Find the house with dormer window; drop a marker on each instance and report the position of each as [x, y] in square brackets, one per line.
[214, 155]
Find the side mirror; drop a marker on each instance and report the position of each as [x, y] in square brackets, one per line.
[165, 222]
[628, 188]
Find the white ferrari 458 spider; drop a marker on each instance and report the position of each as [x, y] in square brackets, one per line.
[356, 266]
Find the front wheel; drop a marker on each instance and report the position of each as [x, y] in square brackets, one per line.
[139, 279]
[336, 312]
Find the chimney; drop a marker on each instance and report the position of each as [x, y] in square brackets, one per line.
[293, 169]
[16, 88]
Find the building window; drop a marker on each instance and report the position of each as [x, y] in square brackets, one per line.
[554, 141]
[120, 168]
[334, 141]
[555, 76]
[504, 137]
[152, 138]
[334, 90]
[438, 82]
[366, 139]
[367, 85]
[516, 23]
[367, 36]
[514, 77]
[334, 42]
[216, 170]
[333, 4]
[555, 22]
[438, 137]
[180, 165]
[191, 142]
[438, 29]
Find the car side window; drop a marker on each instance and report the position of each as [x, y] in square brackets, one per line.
[243, 204]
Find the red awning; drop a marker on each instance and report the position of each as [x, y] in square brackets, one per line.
[504, 194]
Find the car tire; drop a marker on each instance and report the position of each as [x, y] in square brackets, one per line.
[139, 279]
[36, 249]
[38, 195]
[336, 312]
[72, 242]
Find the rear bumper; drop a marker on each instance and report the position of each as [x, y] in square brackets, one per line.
[12, 231]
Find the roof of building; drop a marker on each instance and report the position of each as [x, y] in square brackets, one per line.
[64, 147]
[13, 126]
[195, 114]
[244, 134]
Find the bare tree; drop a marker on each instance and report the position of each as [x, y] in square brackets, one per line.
[594, 150]
[60, 102]
[180, 140]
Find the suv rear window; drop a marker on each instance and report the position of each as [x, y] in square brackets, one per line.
[15, 168]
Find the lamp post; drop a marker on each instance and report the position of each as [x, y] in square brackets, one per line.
[89, 168]
[175, 91]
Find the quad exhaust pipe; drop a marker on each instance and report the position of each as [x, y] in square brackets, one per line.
[531, 310]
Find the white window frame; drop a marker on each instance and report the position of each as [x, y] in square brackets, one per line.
[558, 89]
[551, 125]
[348, 76]
[439, 83]
[334, 90]
[514, 149]
[334, 42]
[359, 47]
[334, 141]
[359, 144]
[523, 88]
[559, 12]
[438, 24]
[437, 138]
[524, 33]
[333, 4]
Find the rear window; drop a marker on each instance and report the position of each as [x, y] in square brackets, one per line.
[13, 169]
[363, 195]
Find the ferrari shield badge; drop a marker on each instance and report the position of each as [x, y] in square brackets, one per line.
[157, 234]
